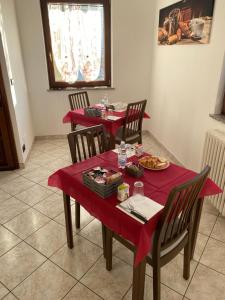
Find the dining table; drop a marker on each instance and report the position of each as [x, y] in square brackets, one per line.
[113, 120]
[157, 186]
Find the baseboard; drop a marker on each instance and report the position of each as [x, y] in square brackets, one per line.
[50, 137]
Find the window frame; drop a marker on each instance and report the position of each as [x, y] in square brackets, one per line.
[55, 85]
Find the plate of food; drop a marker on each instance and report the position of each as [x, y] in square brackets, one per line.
[154, 163]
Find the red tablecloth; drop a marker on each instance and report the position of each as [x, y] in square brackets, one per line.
[78, 117]
[157, 186]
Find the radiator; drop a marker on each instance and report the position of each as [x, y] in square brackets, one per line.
[214, 156]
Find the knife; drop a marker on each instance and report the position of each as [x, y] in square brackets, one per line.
[134, 213]
[137, 215]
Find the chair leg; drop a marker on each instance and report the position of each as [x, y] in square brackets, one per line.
[156, 282]
[187, 260]
[77, 214]
[104, 239]
[73, 127]
[68, 220]
[108, 248]
[140, 139]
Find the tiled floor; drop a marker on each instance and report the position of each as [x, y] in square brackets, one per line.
[35, 262]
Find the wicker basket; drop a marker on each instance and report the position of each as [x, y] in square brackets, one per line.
[103, 190]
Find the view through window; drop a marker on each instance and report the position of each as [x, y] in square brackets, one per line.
[77, 38]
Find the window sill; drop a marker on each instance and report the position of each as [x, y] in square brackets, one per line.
[103, 88]
[218, 117]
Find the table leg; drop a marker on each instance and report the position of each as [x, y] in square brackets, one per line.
[112, 142]
[139, 281]
[104, 239]
[68, 220]
[108, 248]
[197, 219]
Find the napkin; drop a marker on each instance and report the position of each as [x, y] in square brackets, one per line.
[144, 206]
[113, 118]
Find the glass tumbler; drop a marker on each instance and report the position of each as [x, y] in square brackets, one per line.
[138, 188]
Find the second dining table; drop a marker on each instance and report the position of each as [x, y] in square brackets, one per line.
[157, 186]
[112, 124]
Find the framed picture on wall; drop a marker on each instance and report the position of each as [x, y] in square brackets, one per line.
[186, 22]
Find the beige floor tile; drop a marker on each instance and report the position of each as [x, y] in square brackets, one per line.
[209, 208]
[172, 274]
[7, 240]
[214, 255]
[7, 177]
[44, 146]
[59, 153]
[207, 222]
[85, 218]
[48, 282]
[78, 260]
[52, 206]
[44, 183]
[81, 292]
[34, 194]
[42, 159]
[38, 175]
[18, 263]
[166, 293]
[48, 239]
[17, 185]
[4, 196]
[206, 284]
[10, 296]
[67, 157]
[219, 229]
[57, 164]
[123, 253]
[200, 245]
[3, 291]
[93, 232]
[10, 209]
[28, 168]
[109, 285]
[49, 148]
[26, 223]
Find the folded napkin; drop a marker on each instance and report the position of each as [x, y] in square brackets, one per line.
[113, 118]
[142, 205]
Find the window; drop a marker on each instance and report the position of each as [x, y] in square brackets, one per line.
[77, 41]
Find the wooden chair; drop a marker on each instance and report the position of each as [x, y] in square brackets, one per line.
[78, 100]
[86, 143]
[173, 233]
[131, 132]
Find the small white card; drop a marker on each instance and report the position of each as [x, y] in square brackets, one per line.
[113, 118]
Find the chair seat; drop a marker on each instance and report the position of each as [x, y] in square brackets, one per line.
[131, 136]
[173, 246]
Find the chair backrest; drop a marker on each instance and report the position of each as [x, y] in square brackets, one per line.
[79, 100]
[133, 119]
[87, 142]
[177, 216]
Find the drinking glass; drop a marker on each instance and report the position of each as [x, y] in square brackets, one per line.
[138, 188]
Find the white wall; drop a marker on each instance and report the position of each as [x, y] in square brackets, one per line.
[186, 86]
[132, 25]
[20, 110]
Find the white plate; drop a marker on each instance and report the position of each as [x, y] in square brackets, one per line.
[157, 169]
